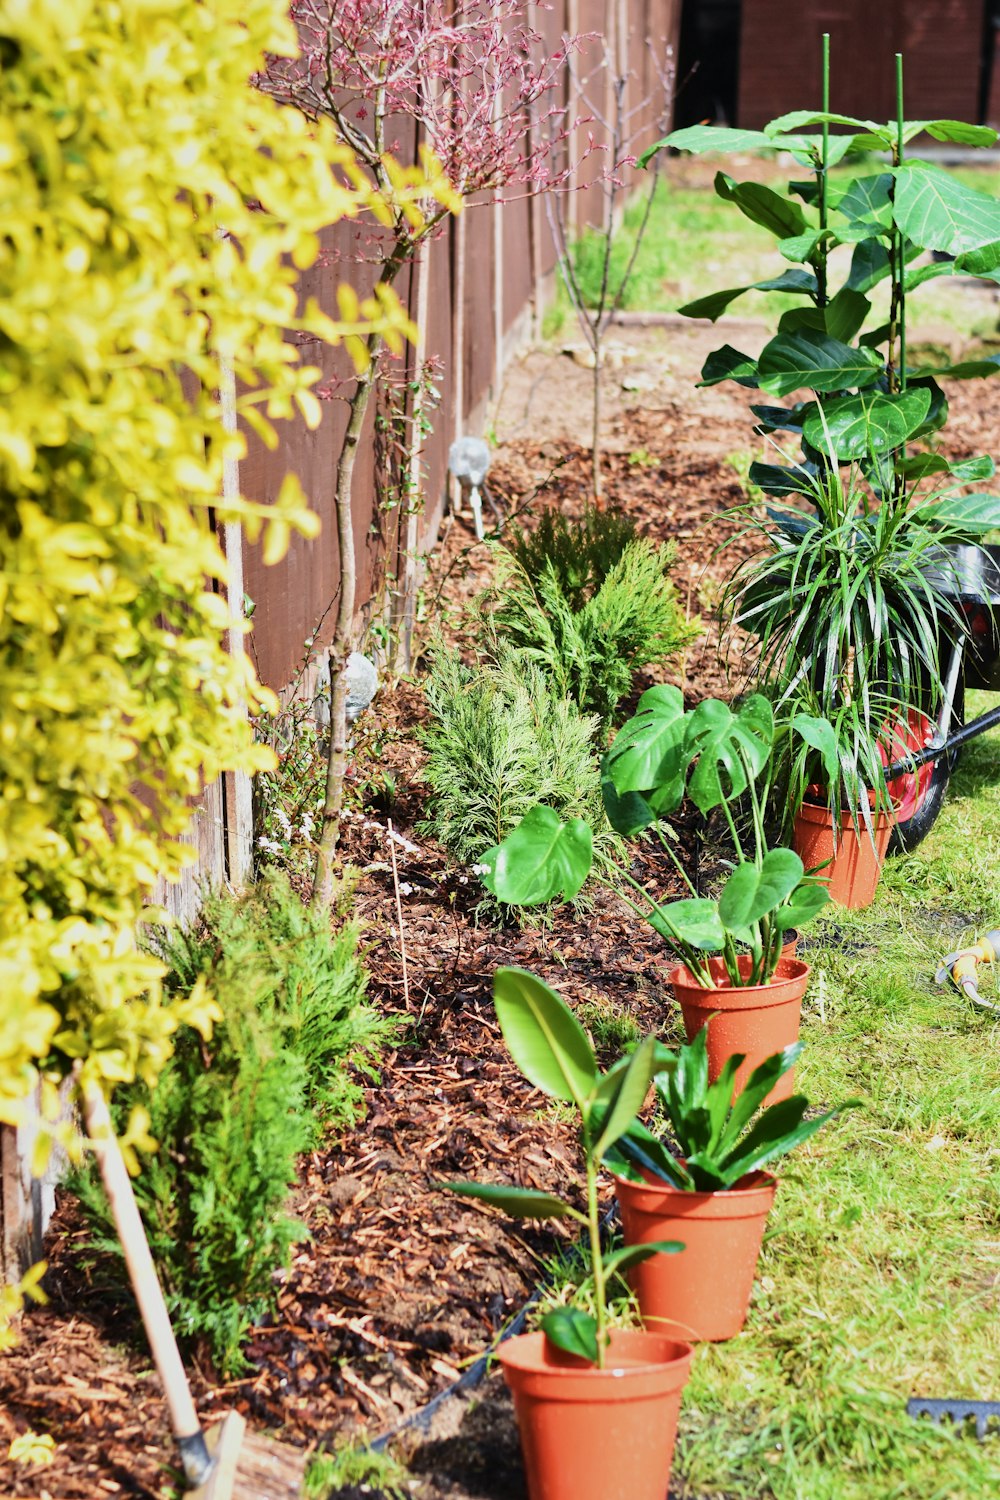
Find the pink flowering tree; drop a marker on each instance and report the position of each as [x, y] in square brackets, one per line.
[473, 81]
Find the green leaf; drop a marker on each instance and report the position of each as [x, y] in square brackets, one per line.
[869, 265]
[820, 735]
[810, 898]
[540, 859]
[633, 1255]
[797, 118]
[629, 813]
[938, 212]
[759, 1084]
[869, 200]
[763, 206]
[629, 1096]
[639, 1149]
[731, 748]
[965, 470]
[793, 361]
[715, 304]
[973, 514]
[802, 247]
[544, 1037]
[781, 418]
[573, 1330]
[520, 1203]
[958, 132]
[846, 313]
[649, 751]
[777, 1131]
[693, 920]
[980, 262]
[751, 893]
[971, 369]
[859, 426]
[775, 480]
[728, 363]
[699, 138]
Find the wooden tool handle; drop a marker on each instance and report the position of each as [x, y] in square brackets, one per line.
[146, 1285]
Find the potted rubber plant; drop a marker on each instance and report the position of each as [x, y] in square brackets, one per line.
[706, 1188]
[859, 403]
[597, 1407]
[732, 976]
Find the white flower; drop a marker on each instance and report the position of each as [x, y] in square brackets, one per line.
[283, 820]
[480, 869]
[405, 888]
[270, 846]
[306, 826]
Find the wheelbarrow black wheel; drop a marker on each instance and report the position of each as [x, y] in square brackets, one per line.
[918, 818]
[919, 796]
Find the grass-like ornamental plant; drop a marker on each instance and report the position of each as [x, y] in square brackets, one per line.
[553, 1052]
[590, 603]
[720, 1139]
[500, 737]
[848, 609]
[717, 758]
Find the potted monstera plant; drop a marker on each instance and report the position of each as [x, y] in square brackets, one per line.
[702, 1182]
[597, 1407]
[732, 977]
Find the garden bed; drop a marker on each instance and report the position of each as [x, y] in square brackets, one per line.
[400, 1286]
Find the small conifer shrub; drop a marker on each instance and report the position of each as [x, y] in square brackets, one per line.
[232, 1116]
[590, 603]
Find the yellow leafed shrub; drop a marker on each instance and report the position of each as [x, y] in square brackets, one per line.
[155, 208]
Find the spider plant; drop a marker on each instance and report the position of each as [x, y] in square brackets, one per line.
[847, 608]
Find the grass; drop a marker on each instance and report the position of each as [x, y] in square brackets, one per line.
[694, 240]
[356, 1465]
[880, 1275]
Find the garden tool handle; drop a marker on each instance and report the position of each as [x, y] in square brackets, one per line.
[961, 965]
[146, 1286]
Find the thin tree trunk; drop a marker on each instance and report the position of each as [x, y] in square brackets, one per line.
[598, 484]
[340, 648]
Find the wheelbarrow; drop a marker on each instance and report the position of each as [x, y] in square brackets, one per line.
[927, 749]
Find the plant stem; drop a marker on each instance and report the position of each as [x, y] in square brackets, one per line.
[596, 1259]
[821, 281]
[902, 260]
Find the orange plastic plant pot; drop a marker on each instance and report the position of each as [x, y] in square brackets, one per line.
[590, 1434]
[757, 1020]
[702, 1291]
[856, 867]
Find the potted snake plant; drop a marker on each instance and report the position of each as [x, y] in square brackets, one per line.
[597, 1407]
[732, 977]
[705, 1185]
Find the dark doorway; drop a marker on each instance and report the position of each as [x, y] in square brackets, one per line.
[708, 62]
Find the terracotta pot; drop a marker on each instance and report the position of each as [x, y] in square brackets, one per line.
[589, 1434]
[702, 1292]
[756, 1020]
[790, 946]
[856, 867]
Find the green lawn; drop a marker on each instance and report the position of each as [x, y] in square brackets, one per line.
[696, 244]
[880, 1277]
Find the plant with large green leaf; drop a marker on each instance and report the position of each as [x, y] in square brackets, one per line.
[904, 222]
[719, 1138]
[719, 758]
[553, 1052]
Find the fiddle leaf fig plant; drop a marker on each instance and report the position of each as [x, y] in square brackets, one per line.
[717, 756]
[554, 1053]
[720, 1139]
[868, 403]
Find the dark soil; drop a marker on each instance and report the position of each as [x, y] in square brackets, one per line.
[400, 1286]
